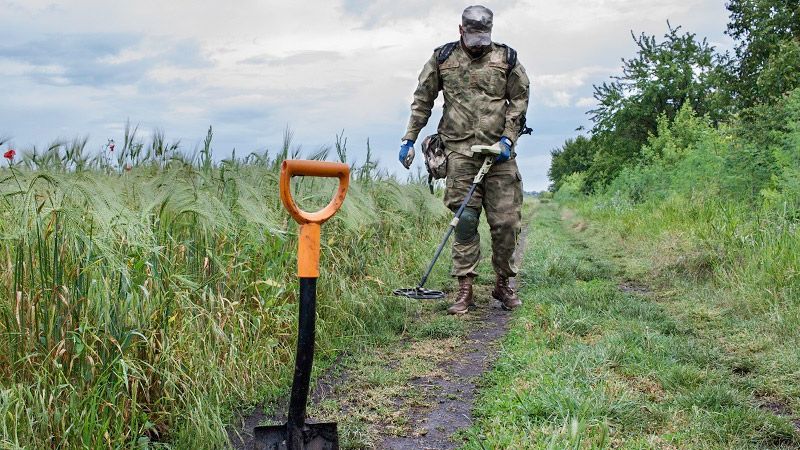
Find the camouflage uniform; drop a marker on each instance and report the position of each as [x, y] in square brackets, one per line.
[482, 102]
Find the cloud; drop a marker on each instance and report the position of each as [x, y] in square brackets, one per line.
[558, 89]
[97, 59]
[296, 59]
[373, 14]
[254, 66]
[586, 102]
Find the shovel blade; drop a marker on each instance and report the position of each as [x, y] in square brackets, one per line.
[316, 436]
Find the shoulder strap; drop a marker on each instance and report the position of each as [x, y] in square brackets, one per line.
[511, 57]
[445, 51]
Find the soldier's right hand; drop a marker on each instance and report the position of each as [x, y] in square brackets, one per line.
[407, 152]
[505, 150]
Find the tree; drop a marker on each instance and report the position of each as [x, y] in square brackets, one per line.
[574, 156]
[658, 81]
[768, 49]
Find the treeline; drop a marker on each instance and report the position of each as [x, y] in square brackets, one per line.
[748, 98]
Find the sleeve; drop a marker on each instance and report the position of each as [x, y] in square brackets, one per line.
[424, 97]
[517, 93]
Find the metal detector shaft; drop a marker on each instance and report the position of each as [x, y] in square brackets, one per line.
[450, 229]
[487, 164]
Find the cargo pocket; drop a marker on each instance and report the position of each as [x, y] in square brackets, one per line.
[518, 193]
[456, 187]
[448, 190]
[501, 192]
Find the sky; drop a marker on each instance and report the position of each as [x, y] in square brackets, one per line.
[253, 68]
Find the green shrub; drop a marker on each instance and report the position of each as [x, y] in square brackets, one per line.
[737, 206]
[571, 187]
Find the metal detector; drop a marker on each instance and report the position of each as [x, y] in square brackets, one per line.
[419, 292]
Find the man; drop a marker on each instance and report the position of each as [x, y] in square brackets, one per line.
[485, 100]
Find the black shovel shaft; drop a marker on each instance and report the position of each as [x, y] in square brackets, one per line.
[447, 235]
[304, 360]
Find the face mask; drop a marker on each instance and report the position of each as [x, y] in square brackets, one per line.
[477, 51]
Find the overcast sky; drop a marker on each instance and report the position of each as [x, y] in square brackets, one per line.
[250, 68]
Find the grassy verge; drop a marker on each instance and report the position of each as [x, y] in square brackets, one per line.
[139, 308]
[598, 359]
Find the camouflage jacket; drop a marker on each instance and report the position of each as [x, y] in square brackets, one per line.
[482, 100]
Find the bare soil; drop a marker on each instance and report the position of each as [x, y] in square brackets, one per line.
[449, 399]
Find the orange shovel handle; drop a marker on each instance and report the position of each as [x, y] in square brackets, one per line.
[308, 244]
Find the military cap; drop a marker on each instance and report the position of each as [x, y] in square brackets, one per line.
[477, 24]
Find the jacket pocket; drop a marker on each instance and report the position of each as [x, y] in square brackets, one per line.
[450, 75]
[497, 79]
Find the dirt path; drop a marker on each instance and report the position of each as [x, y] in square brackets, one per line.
[413, 394]
[435, 402]
[449, 395]
[449, 398]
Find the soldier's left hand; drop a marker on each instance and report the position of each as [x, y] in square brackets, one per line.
[505, 150]
[406, 153]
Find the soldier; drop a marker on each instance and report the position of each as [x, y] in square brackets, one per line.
[485, 101]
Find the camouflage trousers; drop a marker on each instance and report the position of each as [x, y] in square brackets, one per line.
[500, 195]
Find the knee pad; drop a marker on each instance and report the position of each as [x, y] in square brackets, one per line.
[467, 227]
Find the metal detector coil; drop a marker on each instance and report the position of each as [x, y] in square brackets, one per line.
[419, 293]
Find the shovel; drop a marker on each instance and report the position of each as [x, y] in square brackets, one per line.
[296, 434]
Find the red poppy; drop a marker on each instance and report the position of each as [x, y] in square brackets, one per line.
[10, 154]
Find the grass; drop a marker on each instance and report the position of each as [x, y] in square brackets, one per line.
[590, 365]
[439, 327]
[736, 269]
[146, 297]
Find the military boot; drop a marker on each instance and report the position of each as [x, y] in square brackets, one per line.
[504, 294]
[464, 297]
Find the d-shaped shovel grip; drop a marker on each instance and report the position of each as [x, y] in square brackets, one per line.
[308, 244]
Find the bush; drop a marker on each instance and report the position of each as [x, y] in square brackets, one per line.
[571, 187]
[736, 203]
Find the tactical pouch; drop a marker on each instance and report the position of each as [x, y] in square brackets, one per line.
[435, 158]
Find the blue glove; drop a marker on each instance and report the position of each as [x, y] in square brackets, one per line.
[407, 153]
[505, 150]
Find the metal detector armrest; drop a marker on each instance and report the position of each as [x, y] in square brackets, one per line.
[485, 150]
